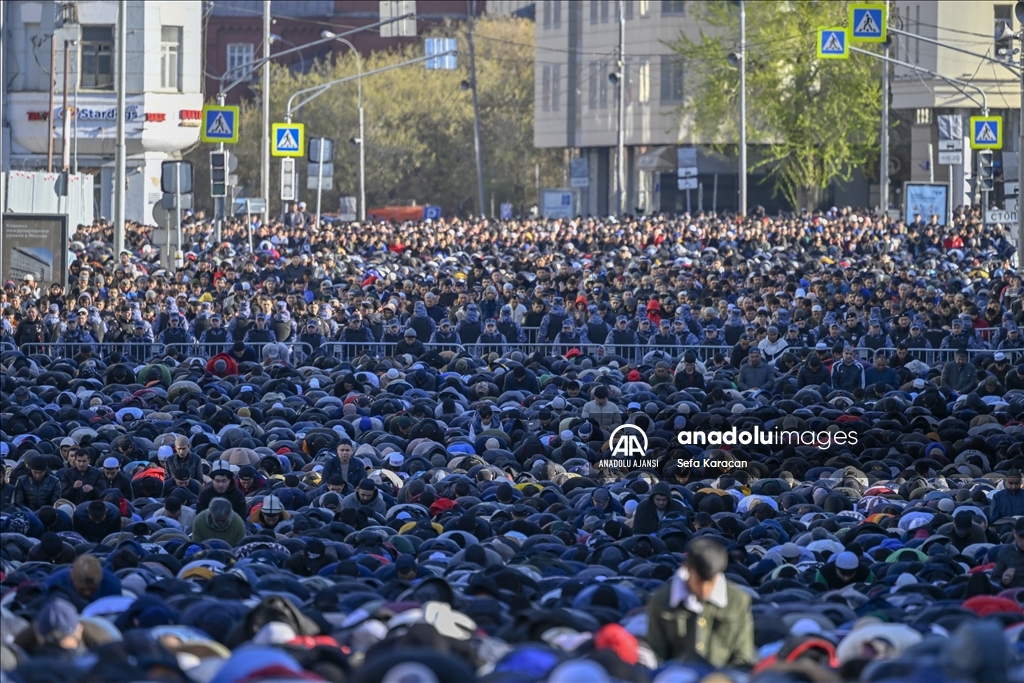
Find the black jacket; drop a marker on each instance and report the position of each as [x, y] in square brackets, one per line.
[92, 477]
[232, 495]
[36, 494]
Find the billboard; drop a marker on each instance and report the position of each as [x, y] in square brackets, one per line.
[34, 244]
[926, 199]
[557, 203]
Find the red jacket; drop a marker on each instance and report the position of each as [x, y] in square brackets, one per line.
[232, 366]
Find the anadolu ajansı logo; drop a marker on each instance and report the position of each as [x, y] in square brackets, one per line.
[628, 448]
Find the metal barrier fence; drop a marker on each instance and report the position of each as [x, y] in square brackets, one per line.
[301, 352]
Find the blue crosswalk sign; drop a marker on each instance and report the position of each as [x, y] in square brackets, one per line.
[288, 139]
[867, 23]
[220, 124]
[833, 43]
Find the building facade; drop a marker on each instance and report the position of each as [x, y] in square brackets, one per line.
[956, 25]
[163, 95]
[235, 30]
[576, 104]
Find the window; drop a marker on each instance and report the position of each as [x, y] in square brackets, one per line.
[602, 81]
[593, 11]
[170, 58]
[97, 70]
[604, 11]
[556, 85]
[592, 94]
[673, 7]
[545, 89]
[628, 4]
[239, 56]
[547, 13]
[645, 7]
[558, 13]
[643, 85]
[671, 79]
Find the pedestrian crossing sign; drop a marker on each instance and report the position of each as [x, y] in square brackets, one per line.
[986, 132]
[220, 124]
[833, 43]
[867, 23]
[289, 139]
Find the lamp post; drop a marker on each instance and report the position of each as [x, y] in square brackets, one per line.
[362, 136]
[1018, 11]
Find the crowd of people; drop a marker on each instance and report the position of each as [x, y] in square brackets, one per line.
[388, 453]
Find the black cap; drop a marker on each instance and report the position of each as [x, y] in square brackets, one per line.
[367, 485]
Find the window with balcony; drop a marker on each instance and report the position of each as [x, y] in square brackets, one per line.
[97, 66]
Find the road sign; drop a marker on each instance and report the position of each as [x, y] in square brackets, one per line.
[951, 145]
[1000, 216]
[506, 211]
[867, 23]
[326, 184]
[347, 209]
[833, 43]
[220, 124]
[321, 147]
[687, 172]
[687, 183]
[173, 172]
[951, 127]
[951, 158]
[288, 189]
[986, 132]
[431, 212]
[287, 139]
[168, 201]
[1010, 189]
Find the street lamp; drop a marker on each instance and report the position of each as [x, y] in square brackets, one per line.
[1018, 11]
[274, 38]
[362, 137]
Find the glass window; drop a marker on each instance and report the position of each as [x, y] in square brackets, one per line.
[593, 11]
[239, 55]
[547, 13]
[645, 7]
[644, 81]
[558, 13]
[170, 58]
[673, 7]
[628, 4]
[97, 67]
[545, 89]
[671, 79]
[592, 95]
[602, 81]
[556, 86]
[604, 11]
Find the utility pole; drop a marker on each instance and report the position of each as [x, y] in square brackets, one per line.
[120, 161]
[620, 171]
[471, 7]
[743, 109]
[265, 140]
[1018, 11]
[65, 145]
[883, 161]
[49, 115]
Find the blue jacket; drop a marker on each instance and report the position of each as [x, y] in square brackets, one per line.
[1006, 504]
[60, 583]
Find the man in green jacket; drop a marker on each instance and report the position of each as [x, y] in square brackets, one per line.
[699, 615]
[218, 521]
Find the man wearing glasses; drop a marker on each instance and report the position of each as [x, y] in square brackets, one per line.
[1008, 502]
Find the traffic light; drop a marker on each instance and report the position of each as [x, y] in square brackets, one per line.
[218, 174]
[985, 172]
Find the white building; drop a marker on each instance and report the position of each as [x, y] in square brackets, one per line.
[163, 98]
